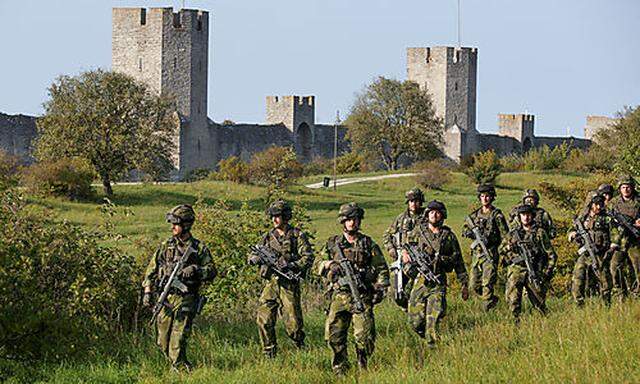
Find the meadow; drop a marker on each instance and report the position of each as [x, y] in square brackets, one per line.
[591, 344]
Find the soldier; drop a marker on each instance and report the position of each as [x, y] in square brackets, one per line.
[174, 320]
[606, 190]
[395, 235]
[427, 302]
[540, 216]
[280, 295]
[603, 237]
[627, 203]
[492, 227]
[528, 235]
[367, 261]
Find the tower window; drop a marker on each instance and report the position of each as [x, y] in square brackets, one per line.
[140, 64]
[199, 65]
[456, 86]
[199, 25]
[143, 16]
[175, 63]
[455, 119]
[176, 20]
[198, 145]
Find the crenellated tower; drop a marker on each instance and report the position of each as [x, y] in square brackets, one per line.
[297, 113]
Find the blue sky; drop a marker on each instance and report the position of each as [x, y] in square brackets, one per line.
[558, 59]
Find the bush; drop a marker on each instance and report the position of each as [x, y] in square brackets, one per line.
[61, 291]
[545, 158]
[9, 167]
[318, 166]
[232, 169]
[512, 163]
[197, 175]
[485, 168]
[433, 174]
[274, 167]
[591, 160]
[70, 178]
[351, 162]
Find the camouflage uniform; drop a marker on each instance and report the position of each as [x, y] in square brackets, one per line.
[602, 233]
[278, 294]
[174, 325]
[540, 216]
[403, 224]
[367, 260]
[544, 259]
[427, 302]
[484, 271]
[629, 252]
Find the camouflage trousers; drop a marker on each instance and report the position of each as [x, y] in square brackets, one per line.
[339, 318]
[174, 327]
[407, 283]
[427, 306]
[278, 298]
[621, 279]
[517, 282]
[483, 277]
[583, 273]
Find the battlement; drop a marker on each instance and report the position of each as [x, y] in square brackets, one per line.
[440, 54]
[291, 100]
[504, 117]
[183, 19]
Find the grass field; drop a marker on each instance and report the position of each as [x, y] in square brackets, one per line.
[593, 344]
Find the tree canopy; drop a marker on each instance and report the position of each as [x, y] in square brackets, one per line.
[112, 121]
[622, 141]
[390, 119]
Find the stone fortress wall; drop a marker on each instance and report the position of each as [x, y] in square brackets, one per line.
[168, 51]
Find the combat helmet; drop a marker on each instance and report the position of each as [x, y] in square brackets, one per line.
[595, 197]
[524, 208]
[626, 179]
[350, 211]
[532, 193]
[605, 188]
[280, 208]
[182, 215]
[486, 188]
[414, 194]
[436, 205]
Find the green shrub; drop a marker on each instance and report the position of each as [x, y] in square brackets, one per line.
[197, 175]
[433, 174]
[351, 162]
[232, 169]
[61, 291]
[274, 167]
[70, 178]
[545, 158]
[485, 168]
[512, 163]
[318, 166]
[9, 167]
[591, 160]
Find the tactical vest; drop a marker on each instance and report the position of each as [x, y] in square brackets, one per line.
[599, 229]
[360, 255]
[172, 255]
[533, 242]
[286, 245]
[440, 243]
[629, 207]
[487, 225]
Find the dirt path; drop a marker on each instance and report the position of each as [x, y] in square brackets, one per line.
[360, 180]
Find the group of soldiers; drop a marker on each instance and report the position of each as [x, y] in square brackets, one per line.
[423, 250]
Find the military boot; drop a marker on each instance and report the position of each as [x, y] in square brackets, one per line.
[362, 359]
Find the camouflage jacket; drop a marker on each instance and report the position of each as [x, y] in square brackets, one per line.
[445, 245]
[293, 246]
[537, 241]
[169, 253]
[631, 208]
[493, 226]
[601, 231]
[541, 217]
[404, 223]
[365, 257]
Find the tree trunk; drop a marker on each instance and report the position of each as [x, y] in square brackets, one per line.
[106, 185]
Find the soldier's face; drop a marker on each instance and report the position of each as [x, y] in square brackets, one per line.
[596, 208]
[526, 219]
[485, 199]
[607, 197]
[626, 190]
[414, 205]
[351, 225]
[531, 201]
[176, 229]
[435, 217]
[277, 221]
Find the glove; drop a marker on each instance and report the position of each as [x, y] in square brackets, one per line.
[190, 271]
[465, 293]
[253, 260]
[334, 272]
[393, 253]
[468, 234]
[282, 264]
[146, 299]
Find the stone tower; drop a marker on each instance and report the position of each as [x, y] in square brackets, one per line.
[449, 74]
[169, 52]
[297, 113]
[519, 126]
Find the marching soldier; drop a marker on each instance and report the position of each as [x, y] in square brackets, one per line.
[601, 237]
[527, 238]
[396, 234]
[628, 204]
[492, 227]
[175, 318]
[540, 215]
[279, 295]
[352, 250]
[427, 302]
[606, 190]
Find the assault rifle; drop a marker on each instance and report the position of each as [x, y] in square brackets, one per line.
[587, 247]
[479, 239]
[351, 279]
[527, 257]
[625, 222]
[424, 262]
[396, 267]
[171, 282]
[269, 258]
